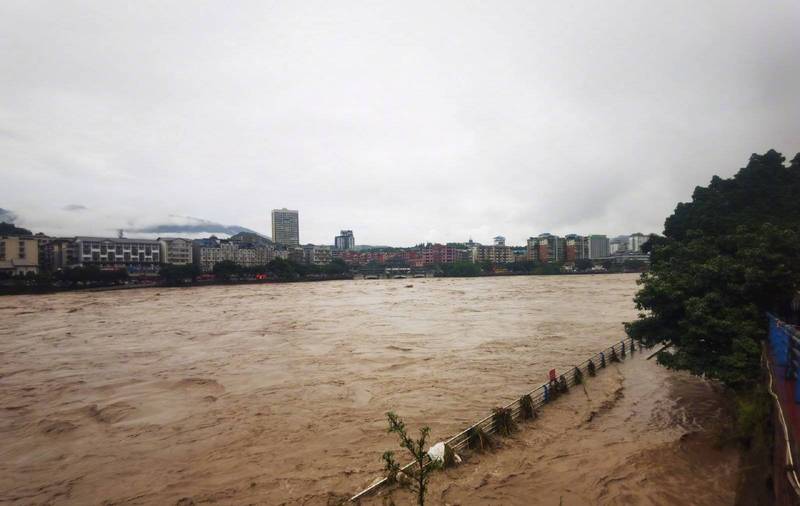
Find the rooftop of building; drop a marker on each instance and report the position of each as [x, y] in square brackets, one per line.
[115, 239]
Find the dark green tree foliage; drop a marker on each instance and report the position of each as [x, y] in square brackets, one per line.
[726, 258]
[226, 270]
[91, 275]
[178, 274]
[460, 269]
[390, 466]
[583, 264]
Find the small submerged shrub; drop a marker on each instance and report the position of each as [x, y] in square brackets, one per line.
[602, 360]
[591, 369]
[526, 409]
[419, 474]
[553, 390]
[562, 384]
[479, 440]
[449, 456]
[613, 357]
[390, 466]
[623, 349]
[578, 375]
[503, 421]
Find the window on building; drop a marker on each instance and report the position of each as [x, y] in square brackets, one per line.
[134, 250]
[22, 249]
[119, 249]
[2, 250]
[87, 248]
[96, 256]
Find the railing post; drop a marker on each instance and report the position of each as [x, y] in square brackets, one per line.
[780, 344]
[790, 372]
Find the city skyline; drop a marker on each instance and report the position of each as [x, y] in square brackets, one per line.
[407, 122]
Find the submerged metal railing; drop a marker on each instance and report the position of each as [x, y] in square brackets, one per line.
[540, 396]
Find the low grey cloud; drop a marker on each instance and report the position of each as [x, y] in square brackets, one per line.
[75, 207]
[405, 122]
[189, 225]
[7, 216]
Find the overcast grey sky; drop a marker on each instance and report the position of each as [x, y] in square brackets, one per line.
[404, 121]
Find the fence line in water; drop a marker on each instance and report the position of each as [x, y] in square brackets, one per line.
[540, 396]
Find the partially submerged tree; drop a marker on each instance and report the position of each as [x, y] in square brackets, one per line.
[726, 258]
[420, 471]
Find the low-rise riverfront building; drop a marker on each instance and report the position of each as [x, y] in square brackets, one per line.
[176, 250]
[211, 251]
[317, 255]
[19, 255]
[498, 254]
[137, 256]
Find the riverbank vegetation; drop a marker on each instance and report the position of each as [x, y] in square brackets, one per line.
[726, 258]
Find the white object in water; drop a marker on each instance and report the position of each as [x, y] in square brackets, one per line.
[436, 453]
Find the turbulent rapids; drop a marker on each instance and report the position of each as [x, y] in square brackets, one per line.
[276, 394]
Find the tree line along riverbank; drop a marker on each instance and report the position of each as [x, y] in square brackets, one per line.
[284, 271]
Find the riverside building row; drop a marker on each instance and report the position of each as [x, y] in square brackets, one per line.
[20, 255]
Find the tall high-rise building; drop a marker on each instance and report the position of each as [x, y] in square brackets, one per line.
[547, 248]
[577, 247]
[635, 241]
[345, 240]
[618, 244]
[598, 246]
[285, 227]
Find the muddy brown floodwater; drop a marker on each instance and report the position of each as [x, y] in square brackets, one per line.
[276, 394]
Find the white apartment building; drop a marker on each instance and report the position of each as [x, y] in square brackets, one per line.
[635, 241]
[495, 254]
[209, 252]
[177, 250]
[317, 255]
[138, 256]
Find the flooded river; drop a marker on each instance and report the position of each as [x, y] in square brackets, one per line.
[276, 394]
